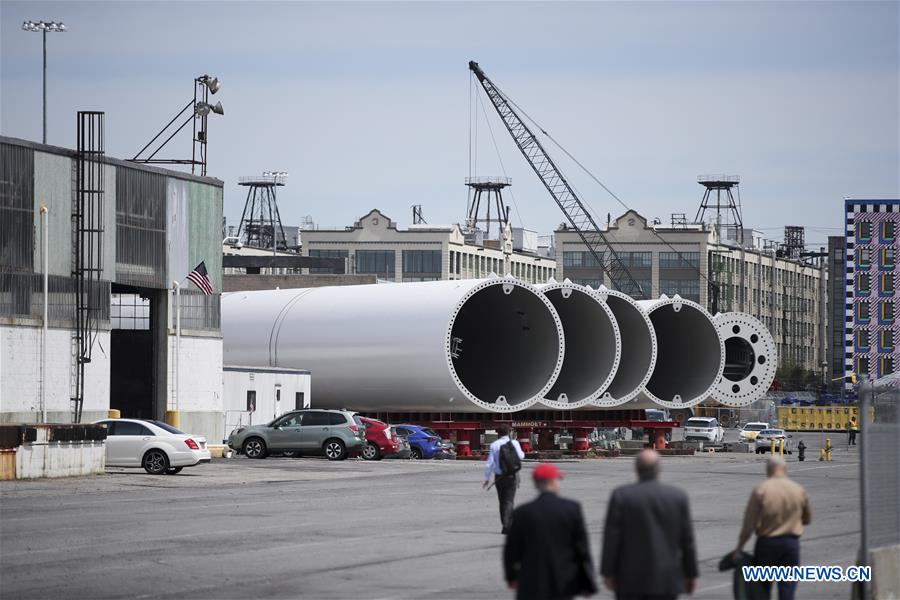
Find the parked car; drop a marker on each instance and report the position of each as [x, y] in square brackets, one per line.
[707, 429]
[336, 434]
[764, 441]
[425, 442]
[380, 440]
[404, 450]
[156, 446]
[749, 431]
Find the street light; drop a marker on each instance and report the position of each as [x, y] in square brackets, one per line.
[43, 27]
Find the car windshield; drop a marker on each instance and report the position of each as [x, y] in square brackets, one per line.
[698, 423]
[771, 432]
[754, 427]
[167, 427]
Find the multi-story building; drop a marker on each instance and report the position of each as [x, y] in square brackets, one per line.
[871, 331]
[374, 245]
[834, 355]
[693, 261]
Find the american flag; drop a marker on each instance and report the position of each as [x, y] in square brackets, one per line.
[200, 278]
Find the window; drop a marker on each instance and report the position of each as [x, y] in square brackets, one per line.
[888, 258]
[862, 340]
[862, 365]
[862, 311]
[887, 312]
[887, 284]
[579, 259]
[326, 254]
[167, 427]
[679, 260]
[888, 231]
[379, 262]
[887, 340]
[422, 261]
[299, 400]
[886, 365]
[594, 283]
[130, 428]
[637, 260]
[290, 420]
[313, 419]
[251, 401]
[863, 284]
[863, 258]
[688, 289]
[863, 231]
[336, 418]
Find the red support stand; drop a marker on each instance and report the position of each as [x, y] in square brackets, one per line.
[580, 439]
[657, 438]
[547, 439]
[524, 436]
[463, 445]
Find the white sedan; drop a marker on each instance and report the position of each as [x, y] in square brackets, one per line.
[157, 447]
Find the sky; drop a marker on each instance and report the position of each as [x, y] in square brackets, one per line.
[370, 104]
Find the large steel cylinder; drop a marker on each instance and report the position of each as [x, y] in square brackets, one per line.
[690, 352]
[593, 346]
[750, 359]
[638, 349]
[488, 345]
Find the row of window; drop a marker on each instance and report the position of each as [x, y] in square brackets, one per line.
[885, 340]
[885, 311]
[886, 257]
[636, 260]
[886, 231]
[885, 366]
[689, 289]
[885, 286]
[382, 262]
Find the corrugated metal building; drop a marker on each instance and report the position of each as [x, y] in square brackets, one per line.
[157, 226]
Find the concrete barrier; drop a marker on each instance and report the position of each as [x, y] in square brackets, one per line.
[55, 451]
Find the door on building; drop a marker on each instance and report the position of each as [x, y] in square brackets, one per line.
[277, 400]
[299, 400]
[131, 385]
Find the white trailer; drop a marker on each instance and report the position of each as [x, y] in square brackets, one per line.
[255, 395]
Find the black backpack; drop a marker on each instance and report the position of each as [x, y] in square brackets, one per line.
[510, 463]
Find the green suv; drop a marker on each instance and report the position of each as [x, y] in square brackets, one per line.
[336, 434]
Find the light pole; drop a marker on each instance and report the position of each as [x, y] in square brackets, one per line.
[44, 27]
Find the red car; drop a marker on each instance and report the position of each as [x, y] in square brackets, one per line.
[380, 441]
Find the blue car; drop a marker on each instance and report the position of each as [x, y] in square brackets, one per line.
[424, 442]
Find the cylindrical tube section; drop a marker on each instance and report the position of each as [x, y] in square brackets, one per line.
[690, 353]
[750, 359]
[593, 346]
[638, 354]
[489, 345]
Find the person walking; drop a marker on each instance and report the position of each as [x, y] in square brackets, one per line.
[503, 463]
[648, 540]
[547, 555]
[777, 512]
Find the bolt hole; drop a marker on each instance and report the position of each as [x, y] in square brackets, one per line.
[754, 380]
[735, 388]
[761, 360]
[736, 329]
[754, 338]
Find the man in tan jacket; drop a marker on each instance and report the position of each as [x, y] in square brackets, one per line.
[777, 511]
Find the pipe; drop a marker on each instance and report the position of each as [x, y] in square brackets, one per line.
[690, 353]
[475, 345]
[750, 359]
[638, 354]
[593, 346]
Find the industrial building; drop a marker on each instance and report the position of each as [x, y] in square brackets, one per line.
[870, 287]
[836, 311]
[374, 245]
[786, 294]
[118, 234]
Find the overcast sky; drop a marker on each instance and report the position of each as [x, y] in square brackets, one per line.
[367, 104]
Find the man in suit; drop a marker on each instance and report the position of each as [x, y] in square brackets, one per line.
[547, 555]
[648, 540]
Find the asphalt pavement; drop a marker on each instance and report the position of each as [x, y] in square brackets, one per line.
[309, 528]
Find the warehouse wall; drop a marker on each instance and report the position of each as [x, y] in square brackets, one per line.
[200, 386]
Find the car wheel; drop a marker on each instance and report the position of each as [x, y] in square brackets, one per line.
[415, 454]
[371, 452]
[255, 448]
[173, 470]
[335, 450]
[155, 462]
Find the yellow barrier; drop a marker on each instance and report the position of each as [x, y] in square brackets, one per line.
[173, 418]
[115, 413]
[818, 418]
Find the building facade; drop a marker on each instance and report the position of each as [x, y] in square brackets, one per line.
[870, 287]
[375, 246]
[788, 296]
[157, 225]
[836, 310]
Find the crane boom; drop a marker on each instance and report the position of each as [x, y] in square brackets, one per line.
[553, 179]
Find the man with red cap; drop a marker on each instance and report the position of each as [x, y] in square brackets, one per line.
[547, 554]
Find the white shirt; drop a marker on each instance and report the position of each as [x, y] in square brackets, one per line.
[493, 462]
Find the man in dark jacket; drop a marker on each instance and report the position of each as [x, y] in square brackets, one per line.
[547, 554]
[648, 540]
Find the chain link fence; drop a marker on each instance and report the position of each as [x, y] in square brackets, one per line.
[880, 483]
